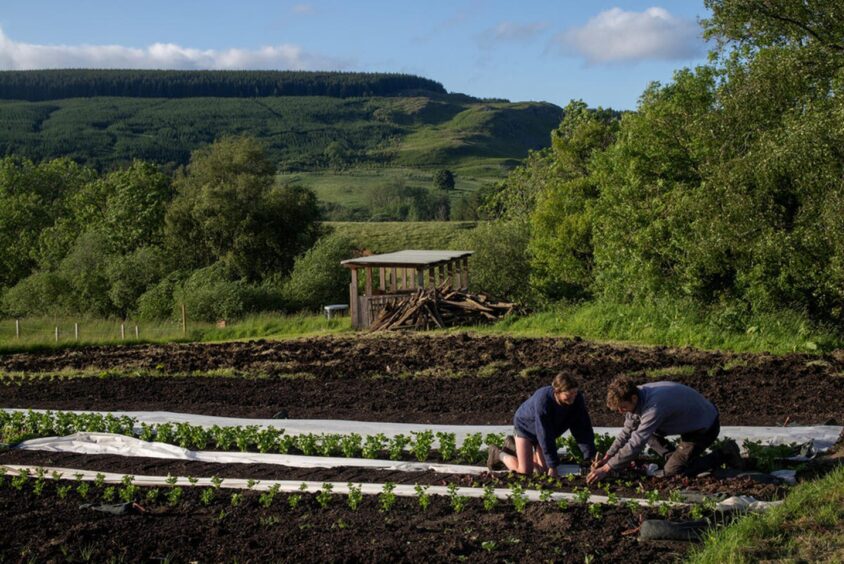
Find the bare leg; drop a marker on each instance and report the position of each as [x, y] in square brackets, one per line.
[523, 461]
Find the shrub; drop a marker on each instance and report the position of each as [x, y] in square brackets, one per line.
[209, 294]
[317, 277]
[41, 293]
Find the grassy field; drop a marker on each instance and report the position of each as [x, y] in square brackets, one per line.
[387, 237]
[351, 188]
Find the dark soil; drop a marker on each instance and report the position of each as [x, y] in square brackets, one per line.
[423, 379]
[138, 466]
[58, 530]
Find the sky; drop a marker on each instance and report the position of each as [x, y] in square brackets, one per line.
[604, 53]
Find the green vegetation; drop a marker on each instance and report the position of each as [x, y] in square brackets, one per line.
[807, 527]
[388, 237]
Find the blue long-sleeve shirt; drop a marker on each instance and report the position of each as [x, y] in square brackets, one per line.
[541, 419]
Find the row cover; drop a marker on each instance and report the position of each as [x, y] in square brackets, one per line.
[736, 503]
[823, 436]
[121, 445]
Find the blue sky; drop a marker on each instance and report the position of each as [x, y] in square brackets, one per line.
[602, 52]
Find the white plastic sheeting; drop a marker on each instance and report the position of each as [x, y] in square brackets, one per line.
[823, 436]
[108, 443]
[734, 503]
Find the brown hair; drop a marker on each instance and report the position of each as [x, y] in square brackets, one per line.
[621, 389]
[563, 382]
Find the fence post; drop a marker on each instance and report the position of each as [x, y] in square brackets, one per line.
[57, 333]
[76, 331]
[137, 335]
[17, 328]
[122, 331]
[184, 321]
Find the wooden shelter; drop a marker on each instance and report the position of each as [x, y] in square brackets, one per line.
[399, 274]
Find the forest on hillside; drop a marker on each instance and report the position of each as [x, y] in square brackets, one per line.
[56, 84]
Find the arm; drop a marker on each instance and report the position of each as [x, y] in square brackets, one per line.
[648, 424]
[581, 427]
[623, 436]
[547, 442]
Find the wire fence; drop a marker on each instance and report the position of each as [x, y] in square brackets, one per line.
[53, 330]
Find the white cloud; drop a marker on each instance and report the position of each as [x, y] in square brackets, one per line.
[303, 9]
[616, 35]
[15, 55]
[510, 31]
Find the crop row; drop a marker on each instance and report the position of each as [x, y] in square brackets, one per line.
[19, 425]
[127, 491]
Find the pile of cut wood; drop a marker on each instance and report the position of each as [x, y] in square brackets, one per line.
[428, 308]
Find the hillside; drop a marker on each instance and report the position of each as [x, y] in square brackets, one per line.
[104, 118]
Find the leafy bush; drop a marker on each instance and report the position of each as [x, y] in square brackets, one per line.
[210, 294]
[318, 278]
[41, 293]
[157, 302]
[500, 264]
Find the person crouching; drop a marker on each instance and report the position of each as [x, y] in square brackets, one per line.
[546, 415]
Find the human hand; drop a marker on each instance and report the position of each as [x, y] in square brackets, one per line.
[598, 474]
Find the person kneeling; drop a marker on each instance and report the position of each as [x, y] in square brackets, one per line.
[546, 415]
[653, 411]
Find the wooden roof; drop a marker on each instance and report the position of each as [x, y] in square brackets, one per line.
[410, 258]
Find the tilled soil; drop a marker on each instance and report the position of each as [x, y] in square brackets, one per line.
[58, 530]
[458, 379]
[140, 466]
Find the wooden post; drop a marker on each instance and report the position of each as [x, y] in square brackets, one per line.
[432, 277]
[368, 289]
[353, 298]
[76, 331]
[420, 277]
[441, 273]
[122, 331]
[17, 328]
[137, 333]
[465, 272]
[382, 279]
[184, 321]
[57, 333]
[394, 280]
[450, 269]
[458, 275]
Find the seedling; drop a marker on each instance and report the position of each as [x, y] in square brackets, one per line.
[193, 481]
[250, 483]
[373, 445]
[350, 445]
[99, 480]
[470, 449]
[664, 509]
[109, 493]
[329, 445]
[595, 511]
[174, 496]
[545, 495]
[563, 504]
[582, 494]
[422, 446]
[397, 444]
[307, 444]
[422, 496]
[448, 445]
[266, 498]
[129, 489]
[489, 498]
[518, 497]
[355, 497]
[458, 502]
[489, 546]
[387, 499]
[653, 497]
[216, 481]
[207, 496]
[675, 496]
[82, 489]
[62, 491]
[19, 481]
[152, 495]
[324, 496]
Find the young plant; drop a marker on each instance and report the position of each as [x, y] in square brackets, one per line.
[99, 480]
[152, 495]
[582, 494]
[307, 444]
[448, 445]
[109, 494]
[470, 450]
[397, 444]
[324, 496]
[350, 445]
[664, 509]
[595, 511]
[355, 497]
[422, 445]
[236, 499]
[489, 498]
[518, 497]
[458, 502]
[62, 491]
[82, 489]
[330, 445]
[563, 504]
[207, 496]
[545, 495]
[373, 445]
[267, 497]
[174, 496]
[653, 497]
[422, 496]
[216, 482]
[387, 499]
[19, 481]
[267, 439]
[293, 500]
[129, 489]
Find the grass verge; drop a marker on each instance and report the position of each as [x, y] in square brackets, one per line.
[807, 527]
[676, 324]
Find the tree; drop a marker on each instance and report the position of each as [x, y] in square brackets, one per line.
[227, 209]
[444, 179]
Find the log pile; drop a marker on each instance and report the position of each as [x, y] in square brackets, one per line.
[429, 308]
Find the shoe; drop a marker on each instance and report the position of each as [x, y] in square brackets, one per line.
[509, 445]
[731, 455]
[493, 457]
